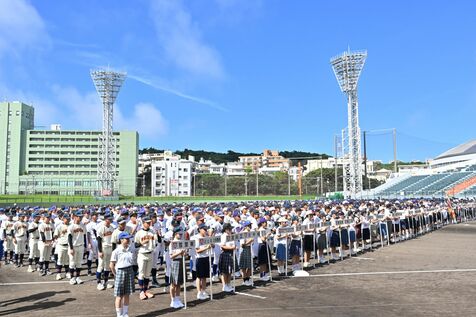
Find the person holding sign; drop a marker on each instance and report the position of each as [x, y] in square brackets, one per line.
[203, 262]
[225, 264]
[176, 270]
[281, 245]
[263, 251]
[295, 249]
[121, 266]
[245, 255]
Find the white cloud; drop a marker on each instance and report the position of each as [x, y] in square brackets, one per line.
[177, 93]
[182, 40]
[21, 27]
[146, 119]
[84, 111]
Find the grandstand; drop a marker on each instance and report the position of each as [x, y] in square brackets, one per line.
[453, 173]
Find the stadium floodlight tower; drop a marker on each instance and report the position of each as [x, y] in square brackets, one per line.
[347, 68]
[108, 83]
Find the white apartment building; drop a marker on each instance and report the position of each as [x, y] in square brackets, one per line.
[331, 162]
[172, 176]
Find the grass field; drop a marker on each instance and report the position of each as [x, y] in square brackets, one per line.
[44, 200]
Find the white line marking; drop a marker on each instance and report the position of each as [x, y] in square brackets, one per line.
[250, 295]
[34, 283]
[361, 258]
[389, 273]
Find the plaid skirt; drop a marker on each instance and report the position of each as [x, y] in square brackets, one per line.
[225, 263]
[176, 272]
[124, 282]
[245, 258]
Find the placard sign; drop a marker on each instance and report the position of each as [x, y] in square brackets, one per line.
[182, 244]
[209, 240]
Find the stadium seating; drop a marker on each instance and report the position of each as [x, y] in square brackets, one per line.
[434, 185]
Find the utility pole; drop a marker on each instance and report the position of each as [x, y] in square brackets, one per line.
[289, 184]
[322, 180]
[143, 185]
[394, 150]
[226, 189]
[299, 179]
[246, 185]
[257, 183]
[365, 156]
[335, 163]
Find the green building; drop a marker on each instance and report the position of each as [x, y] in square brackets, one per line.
[57, 162]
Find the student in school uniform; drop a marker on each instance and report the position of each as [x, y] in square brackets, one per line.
[76, 239]
[7, 229]
[104, 240]
[281, 242]
[202, 262]
[61, 248]
[145, 240]
[45, 245]
[225, 263]
[295, 248]
[20, 228]
[245, 255]
[34, 237]
[121, 267]
[176, 270]
[263, 251]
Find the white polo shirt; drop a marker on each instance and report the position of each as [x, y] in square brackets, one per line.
[123, 257]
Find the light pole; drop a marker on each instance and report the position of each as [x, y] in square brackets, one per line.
[226, 189]
[257, 183]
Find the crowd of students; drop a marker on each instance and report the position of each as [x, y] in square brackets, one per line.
[228, 241]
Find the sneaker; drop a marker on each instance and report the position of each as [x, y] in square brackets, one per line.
[200, 296]
[215, 278]
[306, 264]
[43, 273]
[178, 303]
[59, 277]
[68, 275]
[237, 274]
[166, 289]
[142, 296]
[264, 278]
[155, 283]
[30, 269]
[48, 272]
[109, 286]
[72, 281]
[149, 294]
[90, 273]
[38, 269]
[322, 260]
[101, 287]
[79, 281]
[205, 294]
[172, 304]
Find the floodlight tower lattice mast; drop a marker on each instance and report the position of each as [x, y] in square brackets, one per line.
[347, 68]
[107, 83]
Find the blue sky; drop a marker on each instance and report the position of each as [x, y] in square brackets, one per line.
[248, 74]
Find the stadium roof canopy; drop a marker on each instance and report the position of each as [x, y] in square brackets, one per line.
[462, 149]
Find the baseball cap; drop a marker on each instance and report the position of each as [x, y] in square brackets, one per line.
[146, 219]
[124, 235]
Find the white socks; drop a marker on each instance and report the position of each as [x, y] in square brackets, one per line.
[119, 312]
[125, 309]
